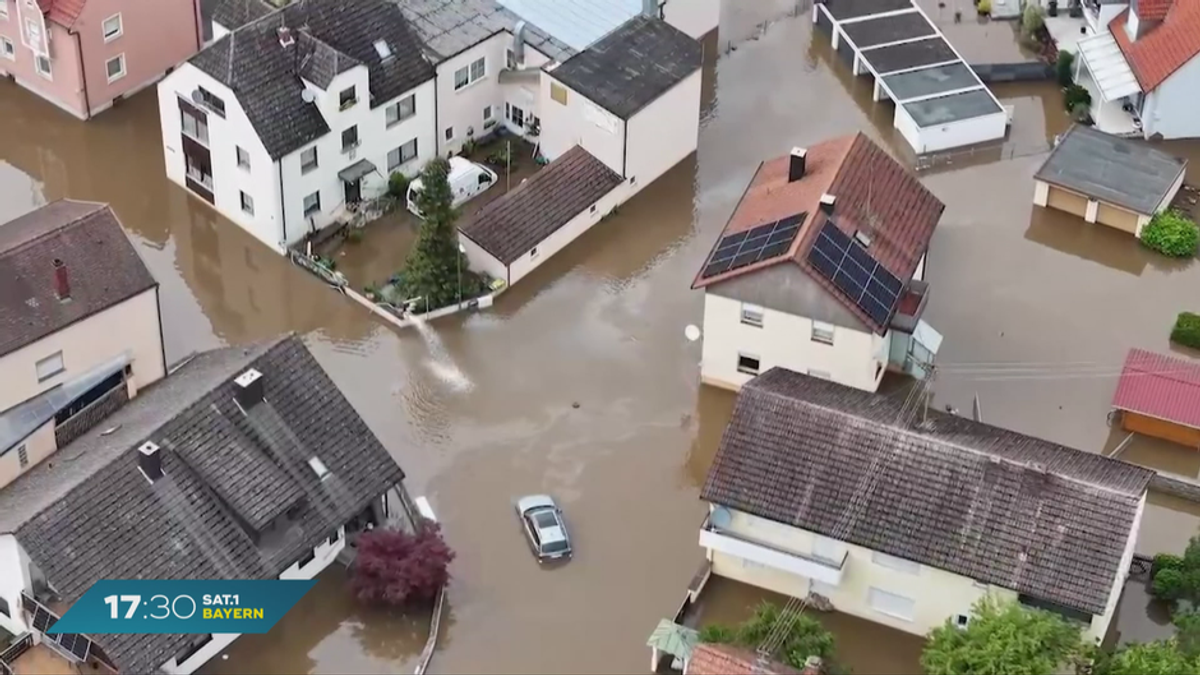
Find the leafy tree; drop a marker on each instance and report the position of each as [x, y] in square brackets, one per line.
[1176, 578]
[1002, 639]
[394, 567]
[435, 266]
[1162, 657]
[806, 638]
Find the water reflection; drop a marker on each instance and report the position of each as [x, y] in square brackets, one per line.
[1090, 241]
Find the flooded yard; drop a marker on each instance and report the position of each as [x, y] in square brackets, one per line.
[1037, 310]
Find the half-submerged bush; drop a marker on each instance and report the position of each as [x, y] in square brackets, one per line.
[1172, 234]
[1187, 333]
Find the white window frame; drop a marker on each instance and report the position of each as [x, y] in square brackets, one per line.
[449, 134]
[48, 73]
[401, 160]
[411, 100]
[510, 60]
[247, 203]
[119, 58]
[50, 367]
[357, 139]
[746, 370]
[8, 49]
[468, 72]
[488, 112]
[4, 9]
[347, 103]
[752, 315]
[305, 168]
[315, 206]
[241, 153]
[120, 27]
[891, 562]
[823, 332]
[878, 599]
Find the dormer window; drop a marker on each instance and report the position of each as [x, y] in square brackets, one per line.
[382, 49]
[347, 98]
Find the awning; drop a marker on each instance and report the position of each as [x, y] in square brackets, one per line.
[356, 171]
[18, 422]
[673, 639]
[1108, 67]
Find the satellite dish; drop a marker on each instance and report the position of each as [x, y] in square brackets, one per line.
[308, 95]
[197, 95]
[721, 518]
[692, 333]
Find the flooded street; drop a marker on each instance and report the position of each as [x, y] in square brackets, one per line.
[1037, 310]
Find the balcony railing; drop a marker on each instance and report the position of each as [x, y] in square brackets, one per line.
[735, 544]
[14, 652]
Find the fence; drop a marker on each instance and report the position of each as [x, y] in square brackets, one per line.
[14, 652]
[952, 159]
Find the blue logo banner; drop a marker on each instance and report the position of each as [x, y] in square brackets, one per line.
[182, 606]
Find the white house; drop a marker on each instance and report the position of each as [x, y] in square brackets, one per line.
[85, 333]
[286, 123]
[1142, 67]
[156, 493]
[820, 269]
[817, 488]
[614, 117]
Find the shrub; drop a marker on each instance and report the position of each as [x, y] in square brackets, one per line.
[1187, 333]
[1076, 96]
[806, 637]
[1065, 68]
[397, 185]
[1033, 19]
[984, 6]
[1168, 584]
[1167, 561]
[394, 567]
[1172, 234]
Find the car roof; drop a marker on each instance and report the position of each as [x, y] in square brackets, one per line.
[550, 535]
[529, 502]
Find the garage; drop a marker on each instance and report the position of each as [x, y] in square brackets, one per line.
[1113, 216]
[1065, 200]
[1159, 396]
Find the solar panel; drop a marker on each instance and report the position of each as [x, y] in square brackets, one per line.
[41, 619]
[760, 243]
[67, 640]
[855, 272]
[83, 648]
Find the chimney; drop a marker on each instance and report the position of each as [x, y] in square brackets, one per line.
[827, 204]
[285, 36]
[150, 461]
[650, 8]
[62, 282]
[813, 666]
[249, 389]
[796, 165]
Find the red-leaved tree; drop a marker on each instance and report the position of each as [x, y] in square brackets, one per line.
[394, 567]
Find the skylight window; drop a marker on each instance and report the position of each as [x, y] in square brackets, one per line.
[319, 468]
[382, 49]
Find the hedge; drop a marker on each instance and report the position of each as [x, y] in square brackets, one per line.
[1172, 234]
[1187, 330]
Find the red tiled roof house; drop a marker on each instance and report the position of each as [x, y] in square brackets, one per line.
[820, 270]
[1159, 396]
[84, 55]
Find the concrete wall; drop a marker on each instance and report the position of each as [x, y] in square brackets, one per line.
[957, 134]
[697, 18]
[14, 578]
[131, 326]
[482, 261]
[1099, 627]
[855, 358]
[38, 446]
[566, 234]
[582, 122]
[64, 86]
[1170, 109]
[663, 133]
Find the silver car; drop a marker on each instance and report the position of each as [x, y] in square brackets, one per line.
[544, 527]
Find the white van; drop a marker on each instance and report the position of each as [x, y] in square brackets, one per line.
[467, 179]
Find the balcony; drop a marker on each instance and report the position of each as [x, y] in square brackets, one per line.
[827, 571]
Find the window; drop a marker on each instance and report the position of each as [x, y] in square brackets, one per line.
[309, 557]
[346, 99]
[247, 203]
[824, 375]
[401, 155]
[193, 123]
[514, 115]
[191, 649]
[197, 172]
[383, 49]
[747, 364]
[558, 93]
[212, 101]
[308, 160]
[402, 110]
[962, 620]
[822, 332]
[50, 366]
[243, 157]
[112, 27]
[42, 65]
[114, 68]
[895, 606]
[7, 49]
[510, 60]
[312, 203]
[334, 538]
[471, 74]
[4, 608]
[23, 456]
[449, 133]
[752, 315]
[828, 549]
[533, 252]
[487, 113]
[894, 563]
[350, 139]
[318, 467]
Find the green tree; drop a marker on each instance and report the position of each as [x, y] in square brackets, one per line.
[1177, 579]
[435, 266]
[1162, 657]
[1002, 639]
[807, 637]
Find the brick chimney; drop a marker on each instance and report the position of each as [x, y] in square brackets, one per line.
[62, 282]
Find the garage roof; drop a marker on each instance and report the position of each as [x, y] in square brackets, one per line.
[929, 81]
[910, 55]
[888, 29]
[943, 109]
[1118, 171]
[1160, 386]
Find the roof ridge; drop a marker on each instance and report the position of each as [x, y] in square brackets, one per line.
[74, 222]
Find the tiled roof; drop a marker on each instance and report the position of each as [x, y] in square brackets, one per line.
[1160, 386]
[980, 501]
[632, 66]
[710, 659]
[265, 76]
[102, 267]
[872, 191]
[233, 14]
[1158, 54]
[90, 514]
[1154, 10]
[449, 27]
[63, 12]
[509, 227]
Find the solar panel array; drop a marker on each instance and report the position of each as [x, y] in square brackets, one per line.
[856, 273]
[78, 645]
[755, 245]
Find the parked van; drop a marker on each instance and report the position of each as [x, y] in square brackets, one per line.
[467, 179]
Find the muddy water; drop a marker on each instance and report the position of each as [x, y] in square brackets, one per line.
[601, 325]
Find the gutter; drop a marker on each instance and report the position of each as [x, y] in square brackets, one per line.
[282, 204]
[161, 338]
[87, 101]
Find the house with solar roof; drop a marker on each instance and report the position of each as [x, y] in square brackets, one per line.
[821, 270]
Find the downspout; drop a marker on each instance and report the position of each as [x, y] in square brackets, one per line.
[437, 123]
[625, 148]
[161, 338]
[87, 101]
[282, 206]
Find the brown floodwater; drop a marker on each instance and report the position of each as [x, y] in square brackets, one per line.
[1038, 311]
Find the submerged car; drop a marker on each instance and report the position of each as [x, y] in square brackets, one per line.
[544, 527]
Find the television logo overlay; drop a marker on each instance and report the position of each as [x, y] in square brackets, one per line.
[140, 606]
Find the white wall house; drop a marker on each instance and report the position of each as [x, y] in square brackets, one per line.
[286, 124]
[783, 286]
[942, 538]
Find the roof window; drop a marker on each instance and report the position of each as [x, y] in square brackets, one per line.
[382, 49]
[319, 467]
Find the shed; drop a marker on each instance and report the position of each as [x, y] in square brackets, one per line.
[1106, 179]
[1159, 396]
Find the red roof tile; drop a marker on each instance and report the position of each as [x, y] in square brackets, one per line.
[1165, 49]
[1153, 10]
[725, 660]
[872, 192]
[1164, 387]
[62, 12]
